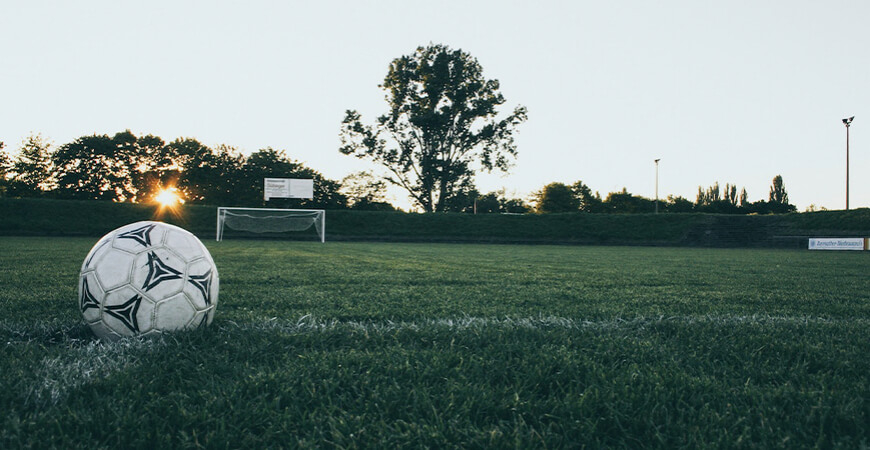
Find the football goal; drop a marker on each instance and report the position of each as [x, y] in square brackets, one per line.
[268, 220]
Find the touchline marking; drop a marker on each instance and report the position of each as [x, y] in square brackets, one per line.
[86, 360]
[308, 323]
[19, 333]
[56, 376]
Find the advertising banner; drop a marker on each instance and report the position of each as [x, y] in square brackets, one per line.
[288, 188]
[838, 244]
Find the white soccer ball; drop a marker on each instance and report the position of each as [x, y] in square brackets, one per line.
[147, 278]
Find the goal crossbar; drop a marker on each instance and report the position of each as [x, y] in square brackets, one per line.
[270, 220]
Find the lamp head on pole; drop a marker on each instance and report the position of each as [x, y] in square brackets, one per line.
[657, 161]
[848, 121]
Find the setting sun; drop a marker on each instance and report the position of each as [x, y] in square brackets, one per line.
[168, 197]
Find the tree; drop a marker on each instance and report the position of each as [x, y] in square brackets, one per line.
[463, 197]
[557, 198]
[365, 191]
[513, 205]
[678, 204]
[96, 167]
[495, 202]
[708, 197]
[625, 202]
[777, 191]
[80, 169]
[202, 174]
[5, 164]
[711, 200]
[778, 200]
[588, 202]
[129, 168]
[153, 167]
[731, 194]
[505, 204]
[487, 203]
[124, 164]
[441, 121]
[31, 169]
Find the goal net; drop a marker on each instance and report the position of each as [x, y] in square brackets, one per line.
[267, 220]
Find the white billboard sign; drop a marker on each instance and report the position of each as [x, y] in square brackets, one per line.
[838, 244]
[288, 188]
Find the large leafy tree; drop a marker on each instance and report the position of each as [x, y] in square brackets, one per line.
[119, 168]
[91, 168]
[589, 202]
[442, 120]
[557, 198]
[212, 176]
[152, 166]
[30, 170]
[193, 170]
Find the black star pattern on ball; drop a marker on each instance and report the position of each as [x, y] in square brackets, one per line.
[158, 272]
[203, 283]
[141, 235]
[126, 312]
[88, 300]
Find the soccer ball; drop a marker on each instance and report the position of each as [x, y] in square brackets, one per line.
[147, 278]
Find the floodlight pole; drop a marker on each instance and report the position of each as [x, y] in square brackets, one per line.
[847, 122]
[657, 185]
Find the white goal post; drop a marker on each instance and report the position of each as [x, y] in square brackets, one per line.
[270, 220]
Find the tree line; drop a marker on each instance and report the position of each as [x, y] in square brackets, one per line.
[441, 127]
[129, 168]
[560, 197]
[442, 121]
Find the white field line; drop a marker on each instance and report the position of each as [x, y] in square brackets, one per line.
[92, 360]
[59, 333]
[79, 362]
[307, 324]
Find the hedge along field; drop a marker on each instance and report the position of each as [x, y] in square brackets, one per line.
[375, 344]
[42, 217]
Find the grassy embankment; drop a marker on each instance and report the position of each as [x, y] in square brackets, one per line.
[54, 217]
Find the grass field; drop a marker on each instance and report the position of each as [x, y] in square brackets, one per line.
[351, 345]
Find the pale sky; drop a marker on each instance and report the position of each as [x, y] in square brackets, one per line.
[729, 91]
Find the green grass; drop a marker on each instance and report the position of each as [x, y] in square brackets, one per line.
[435, 345]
